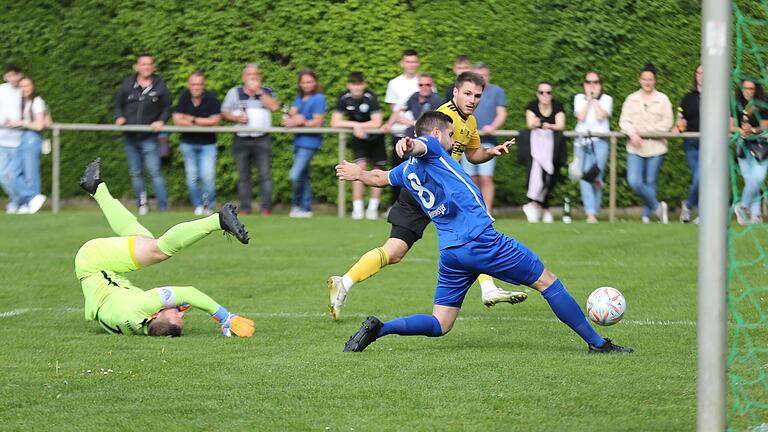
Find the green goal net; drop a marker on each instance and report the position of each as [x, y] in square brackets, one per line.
[748, 243]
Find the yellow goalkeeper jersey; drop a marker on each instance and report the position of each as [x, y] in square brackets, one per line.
[465, 133]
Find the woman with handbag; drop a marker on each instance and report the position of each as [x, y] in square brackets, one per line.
[542, 150]
[25, 167]
[592, 109]
[750, 121]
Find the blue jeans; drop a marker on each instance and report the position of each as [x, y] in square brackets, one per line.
[691, 147]
[302, 186]
[200, 170]
[754, 174]
[26, 168]
[591, 195]
[7, 156]
[642, 174]
[144, 152]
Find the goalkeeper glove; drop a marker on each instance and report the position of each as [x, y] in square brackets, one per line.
[232, 324]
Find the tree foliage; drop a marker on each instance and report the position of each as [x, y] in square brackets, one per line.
[79, 50]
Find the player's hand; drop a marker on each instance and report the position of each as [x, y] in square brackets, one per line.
[501, 148]
[348, 171]
[236, 325]
[404, 146]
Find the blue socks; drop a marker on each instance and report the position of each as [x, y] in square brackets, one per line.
[424, 325]
[569, 312]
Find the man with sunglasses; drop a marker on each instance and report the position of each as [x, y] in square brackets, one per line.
[407, 218]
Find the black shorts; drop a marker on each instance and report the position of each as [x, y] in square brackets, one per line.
[371, 150]
[407, 218]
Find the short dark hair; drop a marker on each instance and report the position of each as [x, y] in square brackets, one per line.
[12, 68]
[198, 73]
[649, 67]
[426, 75]
[145, 54]
[430, 120]
[356, 78]
[409, 52]
[473, 77]
[161, 327]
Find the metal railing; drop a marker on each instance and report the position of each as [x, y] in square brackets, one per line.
[57, 128]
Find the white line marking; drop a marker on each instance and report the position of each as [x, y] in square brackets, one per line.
[299, 315]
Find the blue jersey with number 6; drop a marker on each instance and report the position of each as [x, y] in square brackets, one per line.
[445, 193]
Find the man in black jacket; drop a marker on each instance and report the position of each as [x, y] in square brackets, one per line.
[144, 99]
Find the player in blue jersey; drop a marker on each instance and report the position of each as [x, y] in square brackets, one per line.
[468, 243]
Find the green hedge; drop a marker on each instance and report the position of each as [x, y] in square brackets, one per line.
[80, 50]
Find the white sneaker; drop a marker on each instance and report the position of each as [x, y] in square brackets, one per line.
[337, 294]
[646, 220]
[500, 295]
[23, 209]
[199, 211]
[372, 214]
[532, 212]
[662, 212]
[11, 208]
[143, 209]
[547, 217]
[300, 214]
[36, 203]
[358, 214]
[741, 214]
[685, 213]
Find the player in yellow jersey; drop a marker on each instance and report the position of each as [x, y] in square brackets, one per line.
[406, 216]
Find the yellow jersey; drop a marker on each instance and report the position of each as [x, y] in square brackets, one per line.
[465, 133]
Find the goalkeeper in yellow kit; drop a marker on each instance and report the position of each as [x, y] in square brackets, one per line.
[122, 308]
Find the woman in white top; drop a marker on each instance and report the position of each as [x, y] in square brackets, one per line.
[592, 108]
[26, 164]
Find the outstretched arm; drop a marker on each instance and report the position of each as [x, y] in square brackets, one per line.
[352, 172]
[482, 154]
[182, 297]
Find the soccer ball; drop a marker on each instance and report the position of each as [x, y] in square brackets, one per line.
[606, 306]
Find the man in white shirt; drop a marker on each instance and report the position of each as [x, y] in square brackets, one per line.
[399, 90]
[251, 106]
[10, 139]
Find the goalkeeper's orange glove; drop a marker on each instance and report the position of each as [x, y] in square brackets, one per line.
[236, 325]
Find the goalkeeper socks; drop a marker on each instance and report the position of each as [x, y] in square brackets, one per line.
[122, 221]
[187, 233]
[569, 312]
[486, 284]
[368, 265]
[221, 314]
[414, 325]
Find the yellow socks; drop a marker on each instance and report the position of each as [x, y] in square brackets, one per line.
[368, 265]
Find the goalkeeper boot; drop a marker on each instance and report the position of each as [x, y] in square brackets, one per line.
[365, 336]
[502, 296]
[91, 176]
[609, 347]
[231, 224]
[338, 295]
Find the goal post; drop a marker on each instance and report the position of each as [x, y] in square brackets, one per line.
[714, 211]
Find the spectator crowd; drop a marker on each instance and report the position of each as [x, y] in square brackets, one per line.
[144, 99]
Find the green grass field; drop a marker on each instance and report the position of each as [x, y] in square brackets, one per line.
[505, 368]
